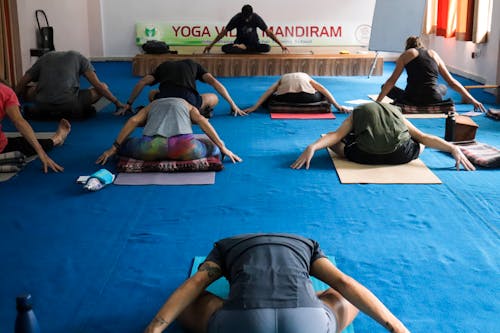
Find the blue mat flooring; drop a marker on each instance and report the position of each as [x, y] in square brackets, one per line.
[106, 261]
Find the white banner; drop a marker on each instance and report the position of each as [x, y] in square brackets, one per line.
[347, 34]
[195, 22]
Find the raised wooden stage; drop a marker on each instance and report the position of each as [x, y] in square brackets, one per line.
[268, 64]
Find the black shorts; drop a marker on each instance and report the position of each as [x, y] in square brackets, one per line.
[79, 108]
[180, 92]
[405, 153]
[300, 97]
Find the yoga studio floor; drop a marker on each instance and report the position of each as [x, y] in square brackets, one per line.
[106, 261]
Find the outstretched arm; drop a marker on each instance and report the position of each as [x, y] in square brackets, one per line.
[284, 49]
[319, 87]
[102, 88]
[218, 38]
[184, 296]
[27, 132]
[145, 81]
[328, 140]
[433, 141]
[211, 80]
[263, 98]
[135, 121]
[391, 81]
[454, 84]
[357, 294]
[208, 129]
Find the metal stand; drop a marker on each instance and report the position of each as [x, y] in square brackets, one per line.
[373, 65]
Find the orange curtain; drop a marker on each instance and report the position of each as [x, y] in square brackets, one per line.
[446, 18]
[482, 20]
[430, 17]
[467, 20]
[9, 44]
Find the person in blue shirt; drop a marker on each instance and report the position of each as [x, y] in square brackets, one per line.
[270, 291]
[247, 41]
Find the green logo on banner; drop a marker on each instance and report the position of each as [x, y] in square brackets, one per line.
[150, 31]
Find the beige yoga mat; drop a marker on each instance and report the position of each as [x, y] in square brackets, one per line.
[415, 172]
[4, 176]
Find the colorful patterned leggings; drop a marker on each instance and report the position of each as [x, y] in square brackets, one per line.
[182, 147]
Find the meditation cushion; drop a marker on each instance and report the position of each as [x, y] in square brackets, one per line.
[127, 164]
[12, 161]
[316, 107]
[446, 106]
[482, 154]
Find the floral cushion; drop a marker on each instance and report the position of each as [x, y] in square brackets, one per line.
[127, 164]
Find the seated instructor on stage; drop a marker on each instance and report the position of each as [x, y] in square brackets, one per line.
[178, 79]
[378, 133]
[270, 291]
[247, 41]
[53, 84]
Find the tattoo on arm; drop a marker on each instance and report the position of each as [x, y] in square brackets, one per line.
[160, 321]
[212, 271]
[389, 326]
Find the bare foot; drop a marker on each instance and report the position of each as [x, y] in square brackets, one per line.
[62, 132]
[240, 46]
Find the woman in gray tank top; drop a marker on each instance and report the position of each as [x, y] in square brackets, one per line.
[168, 135]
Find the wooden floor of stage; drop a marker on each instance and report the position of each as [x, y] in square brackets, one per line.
[269, 64]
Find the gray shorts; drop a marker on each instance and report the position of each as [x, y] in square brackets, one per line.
[286, 320]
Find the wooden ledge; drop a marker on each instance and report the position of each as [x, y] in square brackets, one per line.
[268, 64]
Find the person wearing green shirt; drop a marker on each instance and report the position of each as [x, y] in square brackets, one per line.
[378, 133]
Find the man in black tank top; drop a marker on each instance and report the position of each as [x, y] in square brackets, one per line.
[423, 67]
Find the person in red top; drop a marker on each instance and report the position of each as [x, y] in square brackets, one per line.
[28, 144]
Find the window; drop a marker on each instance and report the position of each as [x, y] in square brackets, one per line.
[467, 20]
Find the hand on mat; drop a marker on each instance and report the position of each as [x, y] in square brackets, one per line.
[285, 49]
[47, 163]
[343, 109]
[249, 110]
[120, 111]
[234, 158]
[460, 158]
[478, 106]
[105, 156]
[206, 49]
[304, 158]
[238, 112]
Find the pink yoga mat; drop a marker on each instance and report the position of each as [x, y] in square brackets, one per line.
[163, 178]
[302, 116]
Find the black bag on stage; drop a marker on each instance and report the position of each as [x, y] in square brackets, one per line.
[45, 37]
[155, 47]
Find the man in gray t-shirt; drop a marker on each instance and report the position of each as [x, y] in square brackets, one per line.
[270, 291]
[53, 84]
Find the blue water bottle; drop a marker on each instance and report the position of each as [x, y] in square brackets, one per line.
[25, 321]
